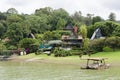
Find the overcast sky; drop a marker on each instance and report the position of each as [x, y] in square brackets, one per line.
[97, 7]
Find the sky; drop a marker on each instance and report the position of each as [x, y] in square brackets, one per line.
[97, 7]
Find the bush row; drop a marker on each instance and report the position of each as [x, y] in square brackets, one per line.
[107, 44]
[61, 52]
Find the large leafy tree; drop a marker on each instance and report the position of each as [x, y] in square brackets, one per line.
[59, 16]
[112, 17]
[43, 11]
[83, 31]
[13, 18]
[96, 19]
[30, 44]
[25, 29]
[12, 11]
[88, 19]
[14, 33]
[47, 36]
[77, 17]
[61, 23]
[37, 24]
[54, 19]
[3, 16]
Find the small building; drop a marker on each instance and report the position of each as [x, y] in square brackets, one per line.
[73, 39]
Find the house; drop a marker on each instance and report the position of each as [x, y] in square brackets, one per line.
[73, 39]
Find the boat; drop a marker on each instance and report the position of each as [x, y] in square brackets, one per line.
[96, 63]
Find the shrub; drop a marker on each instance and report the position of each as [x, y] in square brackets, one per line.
[12, 47]
[56, 52]
[97, 45]
[29, 43]
[113, 42]
[107, 49]
[61, 52]
[38, 52]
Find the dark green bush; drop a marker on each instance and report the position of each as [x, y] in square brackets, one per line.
[113, 42]
[30, 43]
[38, 52]
[107, 49]
[97, 45]
[12, 47]
[61, 52]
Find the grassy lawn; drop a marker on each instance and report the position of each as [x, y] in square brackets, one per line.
[113, 57]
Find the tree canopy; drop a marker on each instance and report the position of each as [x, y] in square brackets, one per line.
[50, 23]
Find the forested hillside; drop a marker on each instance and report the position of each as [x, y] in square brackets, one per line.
[47, 22]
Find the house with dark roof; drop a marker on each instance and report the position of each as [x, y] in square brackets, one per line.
[73, 39]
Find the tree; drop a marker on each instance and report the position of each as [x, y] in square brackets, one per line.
[29, 43]
[47, 36]
[13, 18]
[77, 17]
[86, 43]
[58, 16]
[38, 24]
[25, 29]
[45, 11]
[3, 16]
[83, 31]
[96, 19]
[61, 23]
[88, 19]
[112, 17]
[14, 33]
[12, 11]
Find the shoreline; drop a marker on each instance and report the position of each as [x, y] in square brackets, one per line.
[55, 60]
[71, 60]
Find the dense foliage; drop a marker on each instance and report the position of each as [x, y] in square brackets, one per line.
[29, 43]
[61, 52]
[48, 24]
[110, 43]
[108, 28]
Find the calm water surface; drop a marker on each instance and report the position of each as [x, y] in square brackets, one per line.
[40, 71]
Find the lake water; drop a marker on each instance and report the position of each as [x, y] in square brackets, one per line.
[41, 71]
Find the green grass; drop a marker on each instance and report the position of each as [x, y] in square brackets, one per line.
[113, 57]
